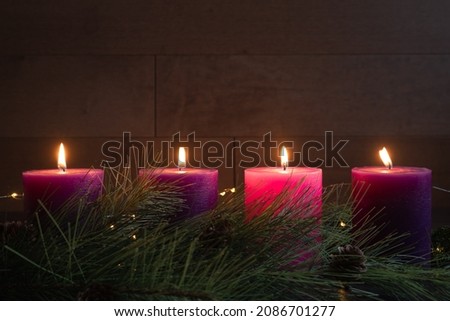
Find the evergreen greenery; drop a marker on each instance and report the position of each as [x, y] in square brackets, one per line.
[126, 246]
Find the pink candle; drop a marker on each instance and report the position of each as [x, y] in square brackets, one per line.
[198, 187]
[302, 187]
[398, 200]
[296, 189]
[55, 187]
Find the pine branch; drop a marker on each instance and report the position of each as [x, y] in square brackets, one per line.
[127, 246]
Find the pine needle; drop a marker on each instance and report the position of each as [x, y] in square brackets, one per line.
[128, 244]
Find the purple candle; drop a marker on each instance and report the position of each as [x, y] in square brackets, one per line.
[198, 187]
[397, 200]
[55, 187]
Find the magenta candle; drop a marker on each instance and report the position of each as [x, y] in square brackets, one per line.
[301, 185]
[55, 187]
[398, 200]
[198, 187]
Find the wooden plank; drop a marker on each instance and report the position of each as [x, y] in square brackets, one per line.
[224, 27]
[303, 95]
[64, 96]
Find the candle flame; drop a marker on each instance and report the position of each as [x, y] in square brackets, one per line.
[181, 158]
[62, 158]
[385, 158]
[284, 158]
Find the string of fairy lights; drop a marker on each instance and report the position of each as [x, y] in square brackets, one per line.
[19, 196]
[224, 192]
[15, 196]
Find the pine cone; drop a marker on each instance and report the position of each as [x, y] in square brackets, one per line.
[349, 258]
[97, 292]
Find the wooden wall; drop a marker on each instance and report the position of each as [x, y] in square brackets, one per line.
[83, 71]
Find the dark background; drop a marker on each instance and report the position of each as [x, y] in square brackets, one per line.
[375, 72]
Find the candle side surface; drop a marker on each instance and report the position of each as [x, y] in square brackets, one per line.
[198, 187]
[398, 201]
[299, 188]
[54, 188]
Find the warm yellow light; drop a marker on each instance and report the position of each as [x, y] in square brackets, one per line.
[284, 157]
[228, 190]
[342, 294]
[181, 158]
[342, 224]
[14, 196]
[134, 237]
[385, 158]
[62, 158]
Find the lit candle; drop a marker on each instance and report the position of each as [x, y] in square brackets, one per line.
[397, 200]
[54, 187]
[302, 187]
[198, 187]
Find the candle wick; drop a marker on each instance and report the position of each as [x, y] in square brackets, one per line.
[390, 166]
[284, 166]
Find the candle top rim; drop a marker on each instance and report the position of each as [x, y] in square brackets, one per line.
[288, 169]
[399, 170]
[177, 170]
[43, 172]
